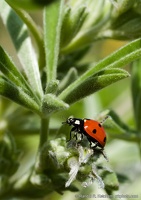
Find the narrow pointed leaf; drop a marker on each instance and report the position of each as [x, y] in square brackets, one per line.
[123, 6]
[52, 29]
[95, 83]
[16, 94]
[22, 41]
[35, 30]
[117, 129]
[30, 4]
[69, 78]
[118, 59]
[73, 20]
[8, 68]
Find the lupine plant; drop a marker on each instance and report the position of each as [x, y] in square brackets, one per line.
[38, 95]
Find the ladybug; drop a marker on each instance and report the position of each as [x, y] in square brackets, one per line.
[92, 129]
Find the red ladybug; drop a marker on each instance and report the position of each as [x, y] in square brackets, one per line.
[92, 129]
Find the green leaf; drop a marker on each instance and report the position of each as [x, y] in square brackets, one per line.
[25, 4]
[136, 91]
[123, 178]
[4, 180]
[123, 6]
[52, 86]
[116, 128]
[34, 29]
[137, 7]
[127, 25]
[95, 83]
[41, 181]
[110, 180]
[70, 77]
[52, 29]
[132, 27]
[30, 4]
[8, 68]
[118, 59]
[95, 18]
[51, 104]
[72, 21]
[16, 94]
[9, 155]
[22, 41]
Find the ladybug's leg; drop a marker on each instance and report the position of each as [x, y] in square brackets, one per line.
[96, 144]
[80, 132]
[81, 136]
[72, 130]
[90, 144]
[104, 154]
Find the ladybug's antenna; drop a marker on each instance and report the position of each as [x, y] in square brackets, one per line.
[64, 122]
[104, 119]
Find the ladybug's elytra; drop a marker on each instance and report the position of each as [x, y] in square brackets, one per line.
[92, 129]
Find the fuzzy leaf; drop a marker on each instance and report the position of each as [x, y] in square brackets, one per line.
[52, 29]
[95, 83]
[8, 68]
[30, 4]
[118, 59]
[69, 78]
[16, 94]
[52, 86]
[72, 22]
[115, 128]
[51, 104]
[34, 30]
[91, 35]
[22, 41]
[133, 26]
[123, 6]
[128, 24]
[110, 180]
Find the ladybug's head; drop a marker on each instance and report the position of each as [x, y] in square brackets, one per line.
[73, 121]
[70, 121]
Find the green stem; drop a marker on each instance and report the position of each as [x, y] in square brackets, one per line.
[44, 131]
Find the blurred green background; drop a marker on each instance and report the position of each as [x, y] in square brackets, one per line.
[124, 157]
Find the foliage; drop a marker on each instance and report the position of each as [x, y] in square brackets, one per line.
[52, 78]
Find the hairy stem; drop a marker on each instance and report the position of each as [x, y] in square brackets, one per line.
[44, 131]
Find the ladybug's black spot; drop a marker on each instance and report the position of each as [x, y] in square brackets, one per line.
[104, 139]
[99, 125]
[94, 131]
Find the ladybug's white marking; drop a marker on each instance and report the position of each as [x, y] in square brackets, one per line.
[77, 122]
